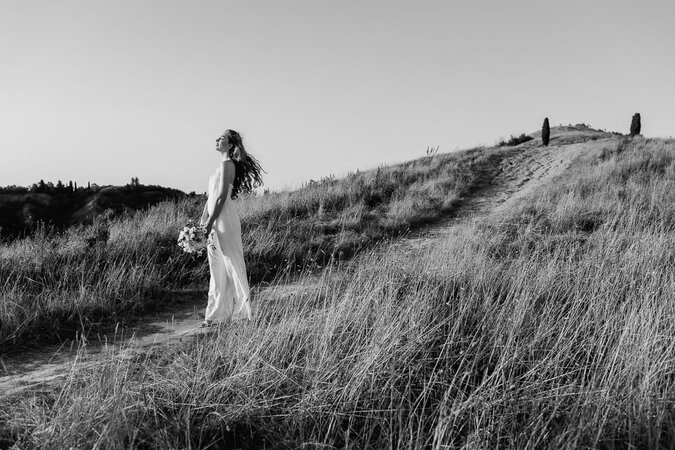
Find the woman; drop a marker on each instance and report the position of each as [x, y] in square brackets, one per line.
[228, 289]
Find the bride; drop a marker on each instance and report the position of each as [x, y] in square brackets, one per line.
[238, 172]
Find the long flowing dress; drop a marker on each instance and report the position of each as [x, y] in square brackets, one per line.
[229, 297]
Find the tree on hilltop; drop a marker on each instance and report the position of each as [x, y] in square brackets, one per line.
[545, 132]
[635, 125]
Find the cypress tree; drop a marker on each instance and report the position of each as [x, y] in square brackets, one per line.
[545, 132]
[635, 125]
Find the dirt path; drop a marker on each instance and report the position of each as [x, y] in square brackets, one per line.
[520, 172]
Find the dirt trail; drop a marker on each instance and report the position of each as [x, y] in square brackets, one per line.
[521, 171]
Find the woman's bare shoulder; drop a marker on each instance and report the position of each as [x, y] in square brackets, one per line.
[228, 166]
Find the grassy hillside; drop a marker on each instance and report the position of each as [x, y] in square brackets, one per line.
[547, 326]
[87, 277]
[21, 212]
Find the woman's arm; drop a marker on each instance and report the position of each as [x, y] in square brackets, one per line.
[205, 214]
[228, 171]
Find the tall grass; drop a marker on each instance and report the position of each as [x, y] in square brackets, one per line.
[549, 326]
[52, 284]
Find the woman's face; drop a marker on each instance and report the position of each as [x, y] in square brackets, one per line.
[222, 144]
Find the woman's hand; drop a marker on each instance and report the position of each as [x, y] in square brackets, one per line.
[209, 226]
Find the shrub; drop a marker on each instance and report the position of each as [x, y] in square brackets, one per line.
[515, 140]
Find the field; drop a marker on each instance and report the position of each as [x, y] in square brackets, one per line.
[545, 321]
[55, 284]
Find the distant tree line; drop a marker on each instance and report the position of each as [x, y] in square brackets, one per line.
[60, 188]
[61, 205]
[42, 187]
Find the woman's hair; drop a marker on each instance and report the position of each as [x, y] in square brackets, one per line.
[248, 173]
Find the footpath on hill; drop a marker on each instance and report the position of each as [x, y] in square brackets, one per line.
[521, 171]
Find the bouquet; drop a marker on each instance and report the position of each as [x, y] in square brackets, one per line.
[193, 239]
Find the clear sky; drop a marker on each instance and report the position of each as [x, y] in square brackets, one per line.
[103, 91]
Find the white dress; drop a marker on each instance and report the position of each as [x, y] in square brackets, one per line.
[228, 288]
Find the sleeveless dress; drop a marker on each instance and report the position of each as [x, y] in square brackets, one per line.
[228, 287]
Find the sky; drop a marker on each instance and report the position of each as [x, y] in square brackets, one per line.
[103, 91]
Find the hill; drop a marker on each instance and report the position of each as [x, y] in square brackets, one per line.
[530, 306]
[569, 134]
[283, 233]
[22, 211]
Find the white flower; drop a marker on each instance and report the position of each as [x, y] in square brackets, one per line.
[192, 239]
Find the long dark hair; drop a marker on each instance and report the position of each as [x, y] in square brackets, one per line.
[248, 173]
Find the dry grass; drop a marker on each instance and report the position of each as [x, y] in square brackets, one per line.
[53, 285]
[548, 327]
